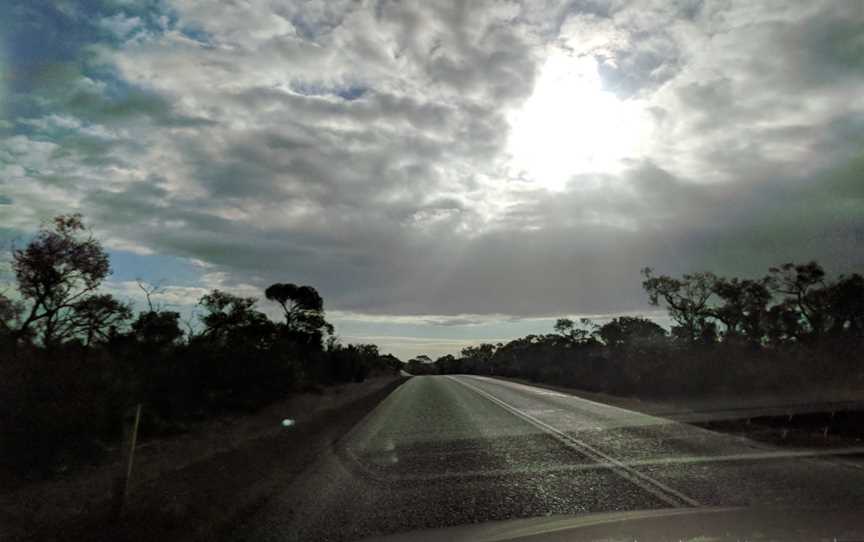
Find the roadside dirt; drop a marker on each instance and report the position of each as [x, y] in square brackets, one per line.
[192, 486]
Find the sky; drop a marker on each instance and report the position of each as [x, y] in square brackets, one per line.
[442, 172]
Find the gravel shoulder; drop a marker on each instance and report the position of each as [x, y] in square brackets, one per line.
[818, 420]
[190, 486]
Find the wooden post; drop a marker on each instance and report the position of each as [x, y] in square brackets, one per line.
[121, 483]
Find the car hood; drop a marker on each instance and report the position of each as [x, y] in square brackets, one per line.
[671, 524]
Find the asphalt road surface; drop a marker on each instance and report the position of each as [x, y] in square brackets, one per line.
[443, 451]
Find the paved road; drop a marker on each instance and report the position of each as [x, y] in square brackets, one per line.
[445, 451]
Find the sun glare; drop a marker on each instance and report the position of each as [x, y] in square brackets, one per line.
[570, 125]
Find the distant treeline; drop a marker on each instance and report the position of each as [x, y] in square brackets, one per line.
[73, 359]
[791, 330]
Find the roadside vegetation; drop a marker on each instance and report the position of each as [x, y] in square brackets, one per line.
[74, 359]
[792, 330]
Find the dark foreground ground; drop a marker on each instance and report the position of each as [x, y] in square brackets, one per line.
[392, 456]
[442, 451]
[195, 487]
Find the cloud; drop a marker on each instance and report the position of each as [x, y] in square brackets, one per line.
[364, 148]
[120, 25]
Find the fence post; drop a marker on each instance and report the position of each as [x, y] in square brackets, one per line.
[121, 483]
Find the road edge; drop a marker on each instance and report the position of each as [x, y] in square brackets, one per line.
[177, 508]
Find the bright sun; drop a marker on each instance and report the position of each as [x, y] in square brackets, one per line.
[570, 125]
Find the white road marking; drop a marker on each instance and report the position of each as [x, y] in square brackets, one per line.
[551, 393]
[660, 490]
[540, 411]
[571, 469]
[537, 391]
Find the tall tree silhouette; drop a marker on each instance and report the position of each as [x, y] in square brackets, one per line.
[687, 301]
[56, 272]
[625, 330]
[302, 307]
[804, 288]
[744, 311]
[233, 320]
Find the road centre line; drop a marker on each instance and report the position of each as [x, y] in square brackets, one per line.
[660, 490]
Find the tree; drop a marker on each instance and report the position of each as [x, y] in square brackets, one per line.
[783, 323]
[448, 364]
[10, 315]
[804, 288]
[421, 365]
[149, 291]
[687, 301]
[95, 317]
[302, 306]
[572, 334]
[157, 328]
[628, 330]
[744, 311]
[478, 358]
[353, 362]
[564, 326]
[55, 272]
[233, 320]
[845, 300]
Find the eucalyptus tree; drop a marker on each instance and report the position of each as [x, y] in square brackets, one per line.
[687, 300]
[57, 275]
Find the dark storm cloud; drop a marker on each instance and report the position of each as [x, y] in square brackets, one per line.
[363, 148]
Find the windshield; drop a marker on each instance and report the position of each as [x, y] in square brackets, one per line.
[327, 270]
